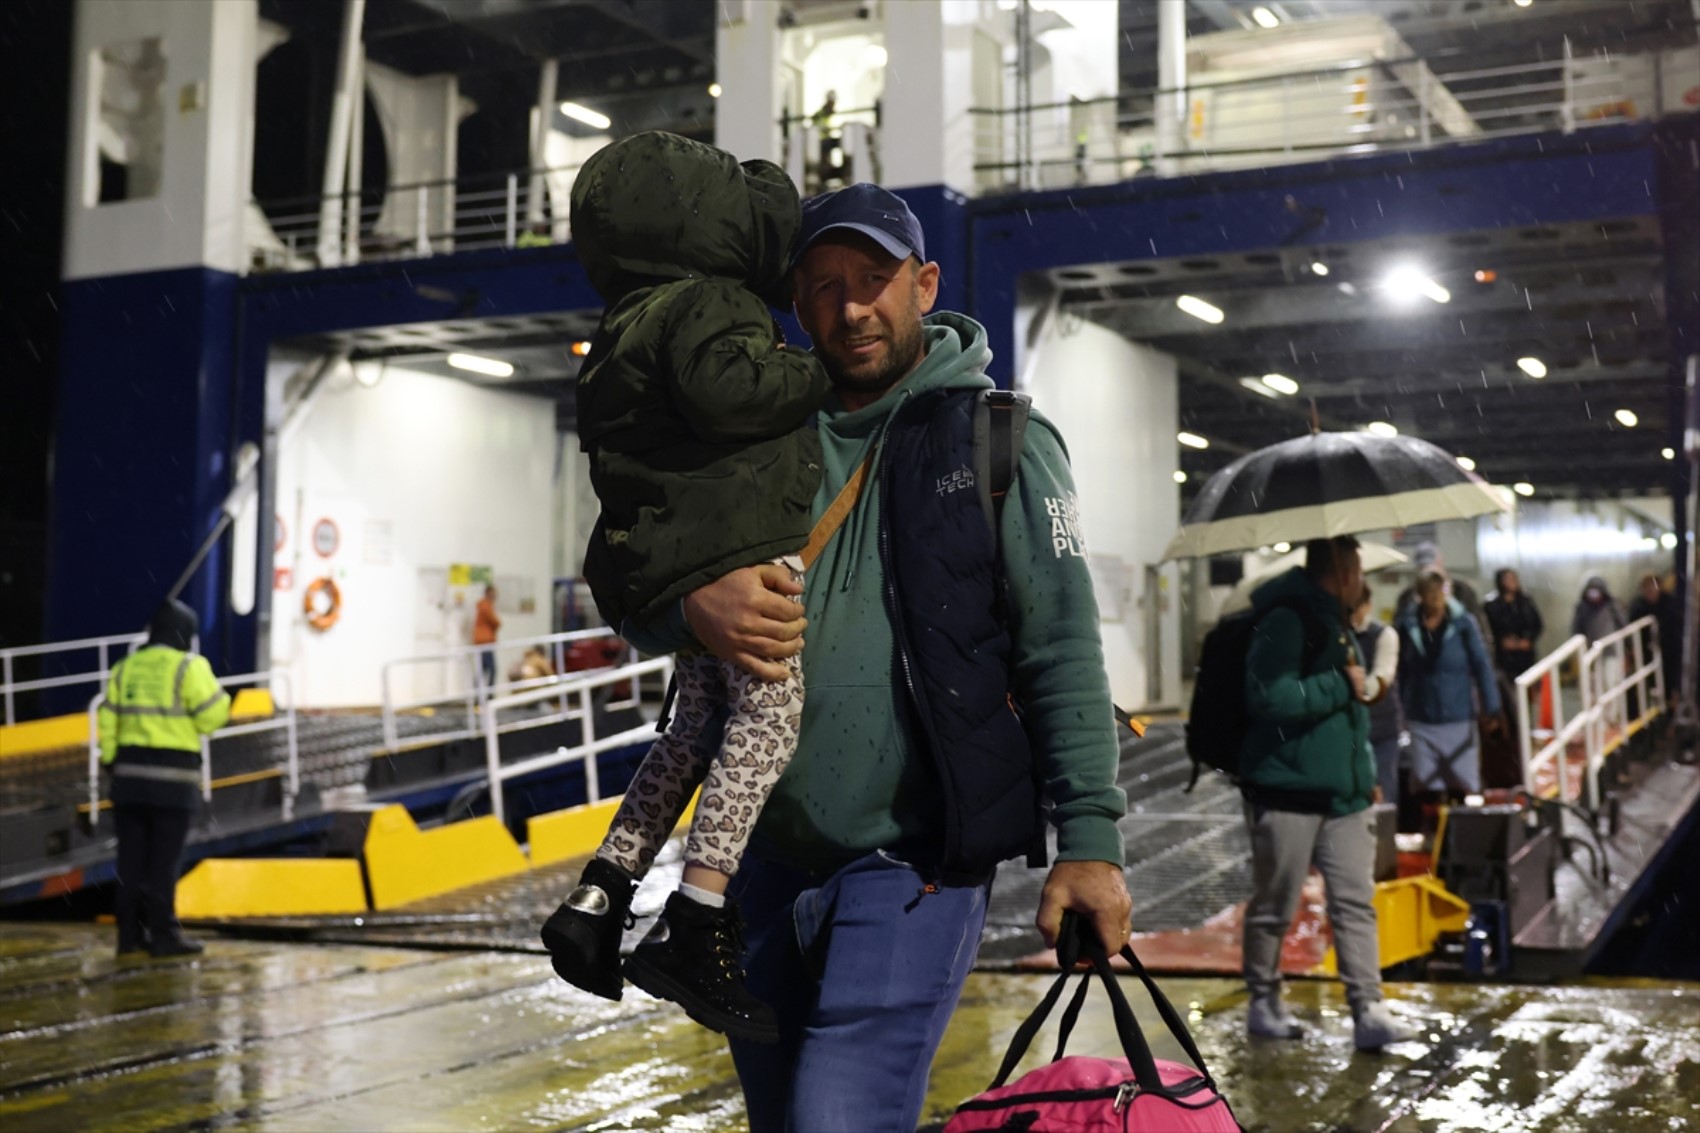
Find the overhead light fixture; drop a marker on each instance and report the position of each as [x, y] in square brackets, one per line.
[1522, 3]
[1317, 267]
[1466, 464]
[715, 90]
[1180, 477]
[1668, 540]
[1257, 387]
[1281, 548]
[1281, 383]
[1534, 367]
[1382, 429]
[489, 367]
[580, 348]
[586, 115]
[1627, 418]
[1405, 284]
[1199, 309]
[1486, 275]
[1192, 440]
[1649, 543]
[874, 55]
[1523, 488]
[1265, 18]
[1668, 453]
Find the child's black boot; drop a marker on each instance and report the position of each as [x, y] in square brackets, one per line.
[694, 956]
[583, 935]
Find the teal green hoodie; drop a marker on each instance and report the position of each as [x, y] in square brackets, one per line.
[857, 783]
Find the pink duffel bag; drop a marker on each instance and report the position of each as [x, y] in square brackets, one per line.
[1075, 1094]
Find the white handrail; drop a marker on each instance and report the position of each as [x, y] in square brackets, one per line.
[476, 692]
[292, 756]
[1600, 707]
[589, 745]
[1608, 705]
[1553, 750]
[102, 645]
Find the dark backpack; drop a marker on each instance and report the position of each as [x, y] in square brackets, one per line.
[1217, 723]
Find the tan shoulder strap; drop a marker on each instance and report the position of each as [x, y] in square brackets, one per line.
[836, 513]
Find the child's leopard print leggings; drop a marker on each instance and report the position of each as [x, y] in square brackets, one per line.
[736, 777]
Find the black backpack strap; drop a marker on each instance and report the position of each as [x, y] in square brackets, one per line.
[1000, 426]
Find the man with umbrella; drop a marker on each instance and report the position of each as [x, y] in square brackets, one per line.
[1305, 763]
[1308, 777]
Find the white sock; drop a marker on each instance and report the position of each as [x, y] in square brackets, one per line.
[703, 896]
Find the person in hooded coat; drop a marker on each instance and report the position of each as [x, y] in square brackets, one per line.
[158, 703]
[697, 422]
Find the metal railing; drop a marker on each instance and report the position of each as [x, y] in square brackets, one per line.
[107, 650]
[579, 693]
[1623, 691]
[422, 218]
[282, 719]
[463, 668]
[1608, 688]
[1361, 106]
[1556, 746]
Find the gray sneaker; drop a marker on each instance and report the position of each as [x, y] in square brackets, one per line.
[1374, 1027]
[1268, 1018]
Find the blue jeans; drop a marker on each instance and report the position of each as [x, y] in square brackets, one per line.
[864, 970]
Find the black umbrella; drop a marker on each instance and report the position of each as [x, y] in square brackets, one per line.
[1329, 484]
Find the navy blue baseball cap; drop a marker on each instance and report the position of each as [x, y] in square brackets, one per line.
[876, 213]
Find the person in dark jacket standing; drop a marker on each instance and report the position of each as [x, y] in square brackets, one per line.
[1514, 622]
[159, 702]
[1655, 602]
[696, 421]
[1308, 777]
[1444, 676]
[868, 876]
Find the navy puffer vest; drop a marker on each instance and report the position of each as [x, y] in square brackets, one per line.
[945, 594]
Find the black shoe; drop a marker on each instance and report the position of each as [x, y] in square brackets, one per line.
[175, 945]
[583, 935]
[694, 956]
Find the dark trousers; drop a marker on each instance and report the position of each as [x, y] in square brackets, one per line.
[150, 853]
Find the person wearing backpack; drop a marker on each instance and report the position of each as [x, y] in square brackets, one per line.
[865, 886]
[1308, 778]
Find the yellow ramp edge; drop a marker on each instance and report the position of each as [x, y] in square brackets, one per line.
[576, 831]
[252, 704]
[1410, 915]
[53, 734]
[219, 888]
[406, 864]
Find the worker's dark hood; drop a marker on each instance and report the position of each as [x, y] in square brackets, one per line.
[173, 625]
[656, 207]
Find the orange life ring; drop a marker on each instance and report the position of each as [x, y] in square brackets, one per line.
[322, 620]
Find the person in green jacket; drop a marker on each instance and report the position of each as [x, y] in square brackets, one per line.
[159, 702]
[697, 421]
[856, 938]
[1308, 776]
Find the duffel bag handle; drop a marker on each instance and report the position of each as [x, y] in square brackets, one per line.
[1075, 936]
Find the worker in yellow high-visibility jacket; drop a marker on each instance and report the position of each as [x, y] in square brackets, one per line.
[160, 701]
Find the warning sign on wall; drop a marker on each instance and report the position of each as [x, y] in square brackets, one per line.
[282, 579]
[326, 537]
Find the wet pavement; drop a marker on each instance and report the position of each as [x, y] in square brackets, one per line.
[290, 1036]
